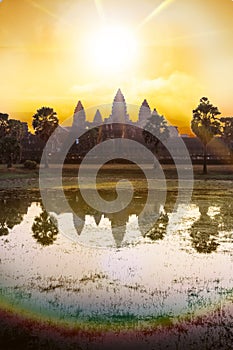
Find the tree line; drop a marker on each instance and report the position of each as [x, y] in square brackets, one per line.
[12, 132]
[206, 124]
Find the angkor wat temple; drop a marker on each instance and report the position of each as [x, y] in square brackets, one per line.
[117, 125]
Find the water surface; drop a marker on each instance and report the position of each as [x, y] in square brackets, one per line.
[108, 270]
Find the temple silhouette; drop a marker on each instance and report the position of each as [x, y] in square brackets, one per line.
[119, 115]
[118, 124]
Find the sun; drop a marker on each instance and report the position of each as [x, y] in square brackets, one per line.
[114, 49]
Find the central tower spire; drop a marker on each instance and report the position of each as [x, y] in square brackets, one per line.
[119, 109]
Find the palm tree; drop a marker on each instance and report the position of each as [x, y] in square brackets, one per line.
[205, 125]
[44, 122]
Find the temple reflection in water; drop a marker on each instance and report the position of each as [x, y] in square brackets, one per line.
[210, 222]
[110, 229]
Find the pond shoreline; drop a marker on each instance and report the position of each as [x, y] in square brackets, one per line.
[20, 178]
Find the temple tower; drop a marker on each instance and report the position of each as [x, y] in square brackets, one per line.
[144, 112]
[79, 118]
[119, 109]
[97, 118]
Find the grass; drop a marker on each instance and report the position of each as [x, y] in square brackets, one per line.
[108, 175]
[17, 172]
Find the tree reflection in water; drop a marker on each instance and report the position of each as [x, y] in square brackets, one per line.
[160, 228]
[12, 211]
[45, 228]
[204, 232]
[225, 217]
[211, 230]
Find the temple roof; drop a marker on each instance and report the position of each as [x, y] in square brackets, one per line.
[79, 107]
[145, 104]
[119, 96]
[98, 117]
[155, 112]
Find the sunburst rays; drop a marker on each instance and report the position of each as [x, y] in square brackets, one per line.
[42, 8]
[155, 12]
[100, 10]
[49, 13]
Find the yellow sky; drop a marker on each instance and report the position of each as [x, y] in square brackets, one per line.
[184, 51]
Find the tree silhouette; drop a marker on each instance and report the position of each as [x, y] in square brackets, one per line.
[227, 133]
[44, 122]
[155, 131]
[17, 131]
[205, 125]
[44, 229]
[11, 135]
[9, 149]
[4, 127]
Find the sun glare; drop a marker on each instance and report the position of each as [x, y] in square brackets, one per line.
[113, 49]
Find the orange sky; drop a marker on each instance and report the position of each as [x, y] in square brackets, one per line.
[183, 52]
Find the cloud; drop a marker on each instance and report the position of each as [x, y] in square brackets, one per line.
[174, 96]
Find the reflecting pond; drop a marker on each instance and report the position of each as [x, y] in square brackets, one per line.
[107, 268]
